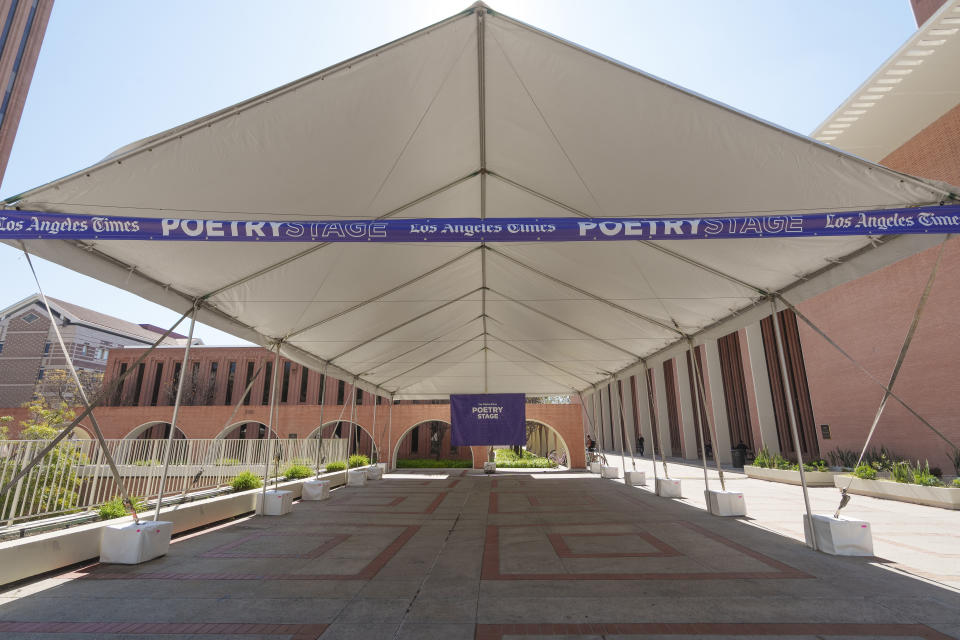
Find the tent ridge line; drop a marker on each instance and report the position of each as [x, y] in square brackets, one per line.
[539, 359]
[164, 137]
[420, 346]
[439, 355]
[404, 324]
[521, 364]
[384, 294]
[732, 110]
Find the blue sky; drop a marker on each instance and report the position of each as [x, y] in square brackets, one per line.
[111, 72]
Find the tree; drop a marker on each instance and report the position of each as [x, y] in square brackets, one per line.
[58, 385]
[53, 485]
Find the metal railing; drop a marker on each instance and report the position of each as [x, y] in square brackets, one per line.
[74, 476]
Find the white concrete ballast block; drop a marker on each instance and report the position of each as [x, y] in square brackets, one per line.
[134, 543]
[725, 503]
[636, 478]
[274, 502]
[357, 478]
[840, 536]
[610, 472]
[489, 467]
[594, 467]
[668, 488]
[374, 472]
[315, 490]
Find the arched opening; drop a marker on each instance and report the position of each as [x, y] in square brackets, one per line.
[247, 431]
[361, 441]
[427, 444]
[80, 433]
[154, 431]
[546, 442]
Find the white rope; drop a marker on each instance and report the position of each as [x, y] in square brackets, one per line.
[127, 501]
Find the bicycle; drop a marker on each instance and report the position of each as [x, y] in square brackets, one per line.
[596, 456]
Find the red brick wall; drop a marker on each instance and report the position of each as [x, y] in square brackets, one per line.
[21, 358]
[934, 152]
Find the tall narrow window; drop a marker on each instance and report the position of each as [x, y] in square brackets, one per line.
[231, 375]
[415, 439]
[155, 394]
[211, 383]
[285, 383]
[119, 391]
[323, 385]
[359, 398]
[267, 382]
[138, 385]
[341, 389]
[246, 398]
[304, 379]
[175, 382]
[379, 399]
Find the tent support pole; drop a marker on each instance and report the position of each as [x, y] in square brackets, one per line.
[176, 412]
[390, 461]
[792, 418]
[98, 432]
[323, 383]
[655, 423]
[623, 432]
[584, 423]
[700, 408]
[373, 433]
[273, 403]
[702, 393]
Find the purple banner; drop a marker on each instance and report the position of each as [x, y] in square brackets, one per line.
[39, 225]
[488, 418]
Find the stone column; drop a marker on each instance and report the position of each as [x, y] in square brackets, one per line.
[663, 417]
[718, 405]
[688, 428]
[761, 388]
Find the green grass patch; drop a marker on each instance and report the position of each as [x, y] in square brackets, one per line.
[336, 466]
[115, 509]
[359, 460]
[297, 471]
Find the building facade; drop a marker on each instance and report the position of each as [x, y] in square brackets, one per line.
[29, 347]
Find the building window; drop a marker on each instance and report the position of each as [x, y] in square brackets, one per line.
[285, 382]
[304, 378]
[46, 348]
[323, 384]
[83, 350]
[30, 318]
[211, 384]
[1, 347]
[415, 439]
[379, 399]
[138, 386]
[267, 382]
[155, 394]
[119, 390]
[359, 397]
[231, 374]
[246, 397]
[40, 374]
[341, 389]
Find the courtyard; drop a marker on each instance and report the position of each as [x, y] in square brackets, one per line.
[460, 554]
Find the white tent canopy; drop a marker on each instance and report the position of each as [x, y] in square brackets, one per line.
[478, 116]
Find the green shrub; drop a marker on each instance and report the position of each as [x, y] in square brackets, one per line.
[923, 476]
[115, 509]
[246, 481]
[816, 465]
[429, 463]
[843, 458]
[359, 460]
[779, 462]
[527, 463]
[901, 472]
[762, 459]
[956, 483]
[954, 457]
[297, 471]
[865, 472]
[336, 466]
[881, 460]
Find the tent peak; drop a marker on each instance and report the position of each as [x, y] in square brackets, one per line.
[479, 5]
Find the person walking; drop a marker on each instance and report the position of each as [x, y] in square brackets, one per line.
[640, 445]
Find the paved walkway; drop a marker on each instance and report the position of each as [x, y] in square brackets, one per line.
[466, 556]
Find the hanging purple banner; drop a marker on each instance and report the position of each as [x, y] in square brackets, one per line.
[38, 225]
[488, 418]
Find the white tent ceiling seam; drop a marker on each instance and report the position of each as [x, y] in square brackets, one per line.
[479, 116]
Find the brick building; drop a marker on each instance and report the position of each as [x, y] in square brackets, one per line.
[29, 348]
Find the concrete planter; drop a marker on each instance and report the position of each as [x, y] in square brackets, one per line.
[668, 488]
[814, 478]
[636, 478]
[943, 497]
[725, 503]
[610, 472]
[840, 536]
[52, 550]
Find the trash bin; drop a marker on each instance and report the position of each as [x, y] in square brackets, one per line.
[739, 457]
